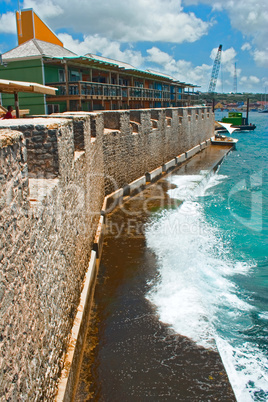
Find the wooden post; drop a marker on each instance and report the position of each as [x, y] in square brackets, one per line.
[17, 105]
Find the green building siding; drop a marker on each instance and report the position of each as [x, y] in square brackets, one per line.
[34, 102]
[26, 70]
[52, 73]
[62, 106]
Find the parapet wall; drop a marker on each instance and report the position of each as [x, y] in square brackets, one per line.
[138, 141]
[50, 207]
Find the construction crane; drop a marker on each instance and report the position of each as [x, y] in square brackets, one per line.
[215, 71]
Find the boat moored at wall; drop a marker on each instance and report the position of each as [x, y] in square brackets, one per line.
[239, 122]
[220, 139]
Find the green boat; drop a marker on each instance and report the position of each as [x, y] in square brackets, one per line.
[238, 121]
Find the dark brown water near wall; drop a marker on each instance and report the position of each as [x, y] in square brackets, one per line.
[130, 355]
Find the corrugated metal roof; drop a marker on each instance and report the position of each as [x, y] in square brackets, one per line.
[162, 75]
[37, 48]
[110, 61]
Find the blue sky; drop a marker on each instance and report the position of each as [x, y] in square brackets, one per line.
[176, 37]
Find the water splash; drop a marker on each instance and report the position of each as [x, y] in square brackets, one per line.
[196, 292]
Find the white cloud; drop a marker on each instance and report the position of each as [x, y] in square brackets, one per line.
[99, 45]
[249, 83]
[185, 71]
[180, 69]
[265, 82]
[246, 46]
[227, 60]
[8, 23]
[159, 57]
[261, 57]
[254, 80]
[45, 9]
[249, 17]
[227, 56]
[124, 21]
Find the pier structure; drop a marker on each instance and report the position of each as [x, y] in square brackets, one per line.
[59, 175]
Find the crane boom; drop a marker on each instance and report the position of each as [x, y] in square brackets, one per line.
[215, 71]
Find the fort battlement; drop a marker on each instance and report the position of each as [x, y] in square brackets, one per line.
[55, 173]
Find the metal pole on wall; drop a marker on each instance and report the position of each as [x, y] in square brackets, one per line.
[213, 104]
[247, 110]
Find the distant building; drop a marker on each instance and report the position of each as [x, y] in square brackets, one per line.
[84, 83]
[219, 106]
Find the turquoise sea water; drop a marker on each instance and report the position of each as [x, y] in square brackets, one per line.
[212, 254]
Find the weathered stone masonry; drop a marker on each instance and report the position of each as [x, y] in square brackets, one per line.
[50, 207]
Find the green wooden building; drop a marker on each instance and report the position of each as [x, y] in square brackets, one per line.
[87, 82]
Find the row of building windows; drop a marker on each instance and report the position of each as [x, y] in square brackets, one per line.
[76, 76]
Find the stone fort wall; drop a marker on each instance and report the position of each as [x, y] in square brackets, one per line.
[55, 172]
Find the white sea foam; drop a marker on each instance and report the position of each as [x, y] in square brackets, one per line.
[247, 369]
[264, 315]
[194, 273]
[184, 186]
[189, 186]
[196, 293]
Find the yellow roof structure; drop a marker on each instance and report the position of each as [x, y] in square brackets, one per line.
[30, 26]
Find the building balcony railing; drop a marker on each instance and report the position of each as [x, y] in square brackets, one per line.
[85, 89]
